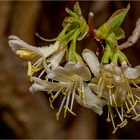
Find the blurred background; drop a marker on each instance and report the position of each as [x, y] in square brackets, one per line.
[26, 115]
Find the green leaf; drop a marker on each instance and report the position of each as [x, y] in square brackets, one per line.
[77, 9]
[114, 22]
[117, 18]
[119, 33]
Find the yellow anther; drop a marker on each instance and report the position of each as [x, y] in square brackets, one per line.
[109, 86]
[57, 116]
[108, 120]
[136, 117]
[129, 95]
[123, 123]
[29, 72]
[25, 54]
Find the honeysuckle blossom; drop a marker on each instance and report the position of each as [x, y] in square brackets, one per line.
[70, 82]
[118, 86]
[38, 57]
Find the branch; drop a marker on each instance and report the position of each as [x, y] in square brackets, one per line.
[133, 38]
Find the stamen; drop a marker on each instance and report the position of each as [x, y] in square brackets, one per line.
[137, 97]
[51, 103]
[56, 95]
[70, 110]
[112, 120]
[110, 96]
[100, 87]
[38, 62]
[114, 100]
[108, 116]
[119, 114]
[67, 102]
[60, 108]
[73, 94]
[128, 110]
[41, 73]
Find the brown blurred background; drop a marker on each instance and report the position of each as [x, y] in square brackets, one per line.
[26, 115]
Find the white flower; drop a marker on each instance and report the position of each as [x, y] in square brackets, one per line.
[69, 81]
[115, 84]
[37, 56]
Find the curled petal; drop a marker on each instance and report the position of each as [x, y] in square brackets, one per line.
[91, 101]
[92, 61]
[16, 43]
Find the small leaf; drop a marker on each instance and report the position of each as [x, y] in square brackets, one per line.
[117, 18]
[114, 22]
[77, 9]
[119, 33]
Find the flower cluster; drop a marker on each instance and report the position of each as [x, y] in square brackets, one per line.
[59, 70]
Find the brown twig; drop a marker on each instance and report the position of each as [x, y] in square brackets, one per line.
[133, 38]
[93, 35]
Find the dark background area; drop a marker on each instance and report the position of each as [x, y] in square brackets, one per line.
[26, 115]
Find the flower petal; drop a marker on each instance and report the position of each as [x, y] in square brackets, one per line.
[49, 50]
[131, 73]
[16, 43]
[44, 85]
[79, 69]
[91, 101]
[60, 74]
[91, 60]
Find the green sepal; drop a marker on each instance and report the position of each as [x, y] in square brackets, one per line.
[119, 33]
[119, 57]
[111, 40]
[77, 9]
[107, 56]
